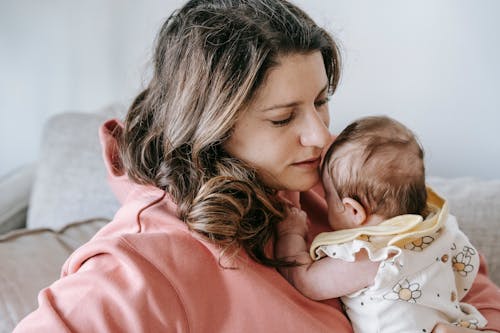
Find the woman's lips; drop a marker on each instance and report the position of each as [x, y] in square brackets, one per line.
[312, 163]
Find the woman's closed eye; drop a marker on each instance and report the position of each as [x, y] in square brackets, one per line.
[284, 121]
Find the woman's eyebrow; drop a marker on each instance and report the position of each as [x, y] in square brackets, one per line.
[280, 106]
[291, 104]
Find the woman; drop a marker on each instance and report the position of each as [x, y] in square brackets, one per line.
[236, 111]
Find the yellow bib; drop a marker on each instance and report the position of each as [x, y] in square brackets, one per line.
[405, 228]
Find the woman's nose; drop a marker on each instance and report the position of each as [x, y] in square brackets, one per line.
[315, 132]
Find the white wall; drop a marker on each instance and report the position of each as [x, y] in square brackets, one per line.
[58, 55]
[434, 65]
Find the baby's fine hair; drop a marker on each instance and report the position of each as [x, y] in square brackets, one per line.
[380, 163]
[211, 59]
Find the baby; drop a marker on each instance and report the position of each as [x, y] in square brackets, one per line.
[379, 206]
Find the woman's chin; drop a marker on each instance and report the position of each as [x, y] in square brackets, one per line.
[293, 182]
[303, 183]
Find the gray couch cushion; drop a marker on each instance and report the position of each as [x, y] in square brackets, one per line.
[39, 255]
[70, 182]
[476, 204]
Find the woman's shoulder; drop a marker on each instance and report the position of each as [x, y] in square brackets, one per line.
[146, 229]
[144, 234]
[124, 245]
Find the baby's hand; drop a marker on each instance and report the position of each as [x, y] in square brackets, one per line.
[294, 223]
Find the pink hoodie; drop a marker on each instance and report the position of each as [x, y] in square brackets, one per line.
[146, 272]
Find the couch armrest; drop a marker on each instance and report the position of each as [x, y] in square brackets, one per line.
[15, 189]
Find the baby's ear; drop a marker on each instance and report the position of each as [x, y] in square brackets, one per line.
[354, 211]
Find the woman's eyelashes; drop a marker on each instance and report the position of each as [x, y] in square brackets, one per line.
[283, 122]
[322, 102]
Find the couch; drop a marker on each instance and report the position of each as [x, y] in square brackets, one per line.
[51, 207]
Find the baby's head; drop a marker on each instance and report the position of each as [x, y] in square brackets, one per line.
[373, 171]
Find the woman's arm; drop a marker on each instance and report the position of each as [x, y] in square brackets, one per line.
[323, 279]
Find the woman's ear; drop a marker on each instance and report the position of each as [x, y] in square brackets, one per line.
[354, 211]
[119, 182]
[109, 133]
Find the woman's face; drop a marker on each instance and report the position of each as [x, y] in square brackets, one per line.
[285, 128]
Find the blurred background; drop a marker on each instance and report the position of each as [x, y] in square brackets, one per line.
[433, 65]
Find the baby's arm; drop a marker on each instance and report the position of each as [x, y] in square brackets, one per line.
[322, 279]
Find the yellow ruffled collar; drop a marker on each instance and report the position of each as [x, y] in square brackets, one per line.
[403, 228]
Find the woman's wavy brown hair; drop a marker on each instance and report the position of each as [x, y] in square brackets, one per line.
[211, 57]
